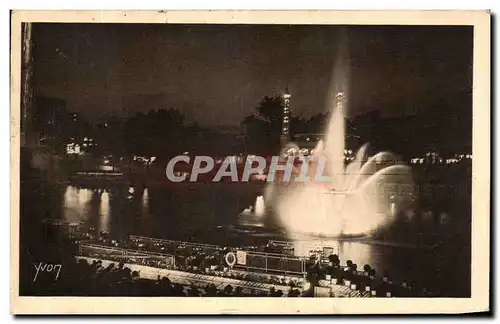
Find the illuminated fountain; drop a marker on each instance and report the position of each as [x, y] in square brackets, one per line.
[353, 202]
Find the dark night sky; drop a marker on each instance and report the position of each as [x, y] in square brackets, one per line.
[216, 74]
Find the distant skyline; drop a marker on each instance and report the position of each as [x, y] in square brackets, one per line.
[217, 74]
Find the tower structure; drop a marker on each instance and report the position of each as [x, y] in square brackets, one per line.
[285, 131]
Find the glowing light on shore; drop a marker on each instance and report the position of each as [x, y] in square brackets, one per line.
[75, 203]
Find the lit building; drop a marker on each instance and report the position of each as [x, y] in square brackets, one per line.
[285, 132]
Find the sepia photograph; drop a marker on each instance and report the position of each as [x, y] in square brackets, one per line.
[305, 162]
